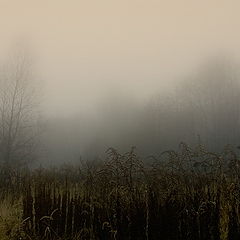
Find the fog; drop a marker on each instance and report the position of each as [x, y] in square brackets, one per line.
[128, 73]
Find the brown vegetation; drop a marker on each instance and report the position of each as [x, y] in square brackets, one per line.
[189, 194]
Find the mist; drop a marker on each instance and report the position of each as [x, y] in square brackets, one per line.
[119, 119]
[129, 73]
[201, 109]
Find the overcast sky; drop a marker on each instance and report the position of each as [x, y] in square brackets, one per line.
[85, 50]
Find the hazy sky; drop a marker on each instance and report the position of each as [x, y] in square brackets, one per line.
[85, 50]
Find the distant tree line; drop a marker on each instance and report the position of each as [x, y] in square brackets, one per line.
[204, 109]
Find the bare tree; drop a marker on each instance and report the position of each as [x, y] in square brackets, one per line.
[18, 115]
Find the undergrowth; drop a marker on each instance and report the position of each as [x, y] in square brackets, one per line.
[186, 194]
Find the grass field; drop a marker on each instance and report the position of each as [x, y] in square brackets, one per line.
[189, 194]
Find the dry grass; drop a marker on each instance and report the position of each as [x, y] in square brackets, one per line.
[189, 194]
[11, 223]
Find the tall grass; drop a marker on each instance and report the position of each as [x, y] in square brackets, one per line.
[188, 194]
